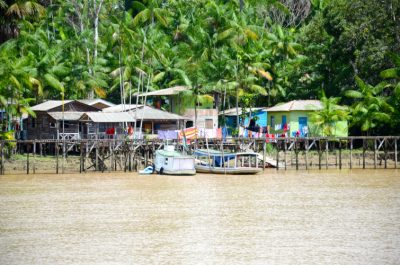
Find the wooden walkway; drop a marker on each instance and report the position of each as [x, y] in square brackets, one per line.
[131, 155]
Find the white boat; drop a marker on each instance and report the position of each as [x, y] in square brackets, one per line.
[147, 171]
[171, 162]
[217, 162]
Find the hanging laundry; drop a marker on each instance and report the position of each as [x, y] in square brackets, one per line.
[219, 133]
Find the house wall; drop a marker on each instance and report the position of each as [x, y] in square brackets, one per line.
[261, 121]
[43, 127]
[292, 118]
[204, 117]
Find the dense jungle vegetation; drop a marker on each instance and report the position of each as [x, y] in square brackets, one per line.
[260, 52]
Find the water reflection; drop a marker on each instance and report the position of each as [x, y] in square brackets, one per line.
[285, 217]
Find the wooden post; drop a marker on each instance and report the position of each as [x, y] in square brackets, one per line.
[27, 158]
[326, 153]
[111, 156]
[284, 153]
[306, 153]
[319, 154]
[2, 158]
[81, 158]
[297, 154]
[277, 155]
[375, 154]
[96, 155]
[385, 152]
[264, 150]
[85, 155]
[395, 153]
[351, 153]
[34, 156]
[57, 154]
[364, 153]
[340, 154]
[63, 156]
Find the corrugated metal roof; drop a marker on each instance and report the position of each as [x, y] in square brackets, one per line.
[68, 115]
[48, 105]
[108, 117]
[121, 108]
[297, 105]
[232, 111]
[149, 113]
[91, 102]
[167, 91]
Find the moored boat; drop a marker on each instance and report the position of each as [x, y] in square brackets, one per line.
[217, 162]
[171, 162]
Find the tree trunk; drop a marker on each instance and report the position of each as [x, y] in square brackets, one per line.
[241, 5]
[237, 110]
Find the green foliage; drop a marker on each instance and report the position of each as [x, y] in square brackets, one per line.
[325, 120]
[237, 48]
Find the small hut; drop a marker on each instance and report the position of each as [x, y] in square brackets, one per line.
[105, 125]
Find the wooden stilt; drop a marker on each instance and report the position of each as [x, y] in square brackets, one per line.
[395, 153]
[326, 153]
[27, 158]
[277, 155]
[375, 154]
[264, 149]
[284, 153]
[351, 153]
[340, 154]
[2, 171]
[96, 156]
[57, 154]
[385, 151]
[34, 157]
[81, 158]
[111, 156]
[319, 154]
[63, 157]
[306, 153]
[363, 154]
[297, 155]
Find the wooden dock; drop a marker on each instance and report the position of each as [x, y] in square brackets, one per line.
[68, 156]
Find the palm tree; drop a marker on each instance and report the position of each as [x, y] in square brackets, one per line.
[150, 12]
[393, 73]
[325, 119]
[370, 108]
[11, 12]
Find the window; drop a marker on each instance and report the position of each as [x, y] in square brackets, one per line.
[33, 124]
[283, 119]
[52, 125]
[272, 121]
[209, 124]
[66, 124]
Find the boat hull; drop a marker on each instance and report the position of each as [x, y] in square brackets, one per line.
[229, 171]
[188, 172]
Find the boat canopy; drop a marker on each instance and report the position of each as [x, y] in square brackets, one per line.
[218, 157]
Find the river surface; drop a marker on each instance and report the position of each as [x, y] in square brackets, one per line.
[304, 217]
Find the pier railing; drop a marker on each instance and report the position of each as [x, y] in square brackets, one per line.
[83, 155]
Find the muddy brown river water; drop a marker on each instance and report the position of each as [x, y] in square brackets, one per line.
[285, 217]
